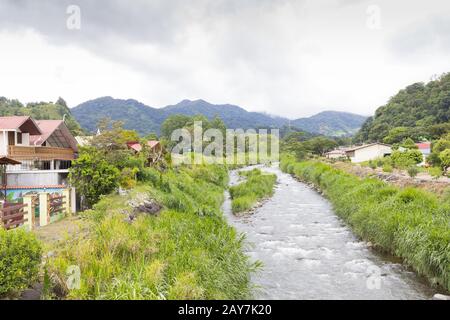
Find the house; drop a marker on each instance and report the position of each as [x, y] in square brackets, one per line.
[336, 154]
[368, 152]
[424, 148]
[154, 146]
[45, 150]
[83, 141]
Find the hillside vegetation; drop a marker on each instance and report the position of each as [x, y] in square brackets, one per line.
[187, 251]
[41, 111]
[418, 111]
[409, 223]
[331, 123]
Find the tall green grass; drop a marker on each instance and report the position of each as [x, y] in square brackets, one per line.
[187, 252]
[256, 187]
[409, 223]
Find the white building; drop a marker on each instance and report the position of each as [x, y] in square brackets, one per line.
[368, 152]
[336, 154]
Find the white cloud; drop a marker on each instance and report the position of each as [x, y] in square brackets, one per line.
[292, 58]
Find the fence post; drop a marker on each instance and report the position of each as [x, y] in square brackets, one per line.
[28, 211]
[66, 194]
[43, 209]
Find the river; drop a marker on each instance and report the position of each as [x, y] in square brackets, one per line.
[309, 253]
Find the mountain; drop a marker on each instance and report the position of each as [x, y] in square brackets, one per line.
[233, 116]
[135, 115]
[331, 123]
[146, 119]
[417, 111]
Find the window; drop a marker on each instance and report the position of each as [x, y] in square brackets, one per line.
[64, 164]
[19, 137]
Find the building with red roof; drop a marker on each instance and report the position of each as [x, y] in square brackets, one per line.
[424, 147]
[154, 146]
[44, 148]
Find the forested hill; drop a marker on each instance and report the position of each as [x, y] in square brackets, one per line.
[331, 123]
[41, 111]
[145, 119]
[419, 110]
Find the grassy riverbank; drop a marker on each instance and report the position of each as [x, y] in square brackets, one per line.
[257, 186]
[188, 251]
[409, 223]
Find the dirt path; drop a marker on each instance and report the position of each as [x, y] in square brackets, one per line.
[53, 233]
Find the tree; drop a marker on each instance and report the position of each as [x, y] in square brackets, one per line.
[172, 123]
[151, 136]
[444, 156]
[111, 143]
[93, 176]
[409, 143]
[397, 135]
[419, 110]
[439, 146]
[407, 158]
[320, 145]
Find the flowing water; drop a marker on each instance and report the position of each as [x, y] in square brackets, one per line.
[309, 253]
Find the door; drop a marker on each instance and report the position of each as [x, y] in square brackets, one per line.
[11, 138]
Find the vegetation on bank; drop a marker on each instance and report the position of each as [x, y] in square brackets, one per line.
[409, 223]
[20, 259]
[258, 185]
[187, 251]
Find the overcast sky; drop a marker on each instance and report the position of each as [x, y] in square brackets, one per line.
[287, 57]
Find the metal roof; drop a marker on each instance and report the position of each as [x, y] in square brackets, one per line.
[22, 123]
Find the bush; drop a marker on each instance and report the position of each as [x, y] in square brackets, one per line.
[387, 168]
[410, 223]
[20, 258]
[380, 163]
[435, 172]
[406, 158]
[413, 171]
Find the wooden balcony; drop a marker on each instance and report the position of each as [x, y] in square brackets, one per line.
[40, 153]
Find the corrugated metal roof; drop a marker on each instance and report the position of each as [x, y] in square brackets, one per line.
[367, 146]
[12, 123]
[137, 146]
[424, 145]
[47, 127]
[24, 123]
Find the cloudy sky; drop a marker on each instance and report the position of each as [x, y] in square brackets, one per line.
[286, 57]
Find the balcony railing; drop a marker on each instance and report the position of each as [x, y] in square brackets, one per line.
[40, 153]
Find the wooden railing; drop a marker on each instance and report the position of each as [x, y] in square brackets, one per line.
[56, 204]
[12, 215]
[41, 153]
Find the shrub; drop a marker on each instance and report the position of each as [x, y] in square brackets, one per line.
[435, 172]
[20, 257]
[413, 171]
[444, 156]
[380, 163]
[387, 168]
[406, 158]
